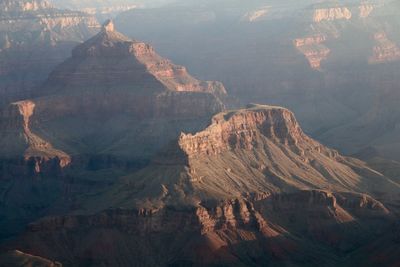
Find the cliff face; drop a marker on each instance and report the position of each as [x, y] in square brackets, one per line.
[38, 149]
[313, 49]
[108, 108]
[20, 143]
[231, 232]
[327, 29]
[112, 80]
[238, 130]
[335, 13]
[250, 188]
[330, 72]
[278, 152]
[260, 150]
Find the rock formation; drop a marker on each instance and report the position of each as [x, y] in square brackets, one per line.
[107, 77]
[249, 189]
[313, 49]
[385, 50]
[235, 232]
[111, 106]
[118, 159]
[335, 13]
[260, 150]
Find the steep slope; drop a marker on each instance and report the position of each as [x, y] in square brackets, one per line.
[260, 150]
[34, 38]
[104, 112]
[250, 189]
[117, 88]
[306, 228]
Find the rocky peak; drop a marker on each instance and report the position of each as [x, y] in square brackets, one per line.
[134, 58]
[108, 26]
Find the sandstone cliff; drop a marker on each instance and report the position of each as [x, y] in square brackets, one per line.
[334, 13]
[250, 188]
[260, 150]
[299, 228]
[385, 49]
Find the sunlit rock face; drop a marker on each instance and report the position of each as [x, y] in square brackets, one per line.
[385, 49]
[251, 182]
[331, 63]
[331, 14]
[313, 49]
[109, 79]
[111, 106]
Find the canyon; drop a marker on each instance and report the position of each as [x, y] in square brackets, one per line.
[201, 202]
[333, 64]
[113, 155]
[113, 104]
[34, 38]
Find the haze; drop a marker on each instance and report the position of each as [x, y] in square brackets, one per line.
[199, 133]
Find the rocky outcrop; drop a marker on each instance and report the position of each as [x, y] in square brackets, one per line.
[22, 147]
[313, 49]
[366, 10]
[385, 50]
[329, 14]
[238, 130]
[256, 15]
[38, 150]
[234, 232]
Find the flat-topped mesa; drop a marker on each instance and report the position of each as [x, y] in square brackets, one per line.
[261, 149]
[241, 130]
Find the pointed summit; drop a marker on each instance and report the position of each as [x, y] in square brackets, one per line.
[131, 61]
[108, 26]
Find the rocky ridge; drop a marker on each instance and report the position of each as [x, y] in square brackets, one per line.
[235, 232]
